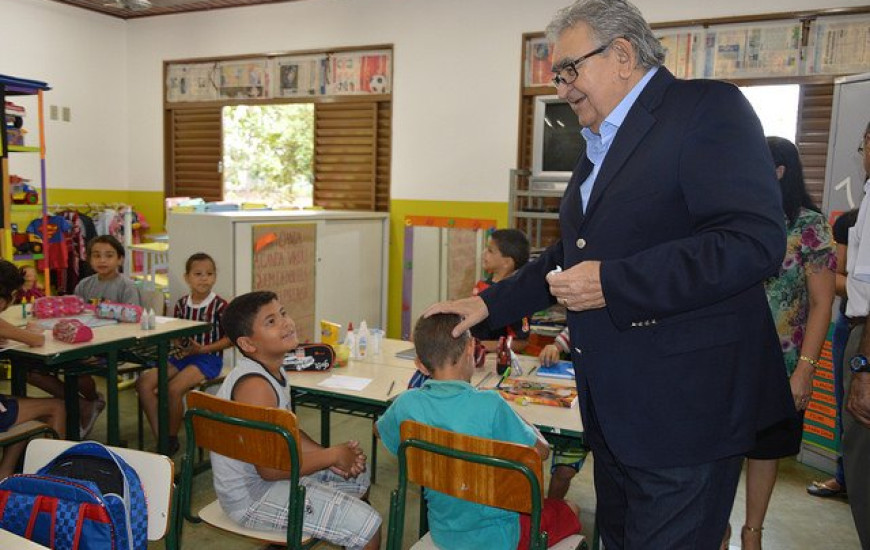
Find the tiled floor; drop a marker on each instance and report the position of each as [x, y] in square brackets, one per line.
[795, 521]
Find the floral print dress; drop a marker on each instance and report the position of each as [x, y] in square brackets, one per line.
[810, 248]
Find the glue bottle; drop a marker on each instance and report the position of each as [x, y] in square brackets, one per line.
[350, 342]
[362, 340]
[143, 320]
[152, 319]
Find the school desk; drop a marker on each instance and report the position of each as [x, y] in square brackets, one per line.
[390, 376]
[108, 341]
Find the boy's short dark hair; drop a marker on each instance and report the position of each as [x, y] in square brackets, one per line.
[513, 244]
[198, 257]
[109, 240]
[10, 280]
[434, 341]
[237, 319]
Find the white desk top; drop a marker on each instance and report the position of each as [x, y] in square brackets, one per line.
[11, 540]
[102, 335]
[386, 368]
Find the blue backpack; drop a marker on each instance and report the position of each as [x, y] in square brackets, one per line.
[86, 498]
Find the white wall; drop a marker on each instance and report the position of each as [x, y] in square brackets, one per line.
[82, 55]
[456, 69]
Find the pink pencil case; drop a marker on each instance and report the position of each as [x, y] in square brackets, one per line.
[57, 306]
[125, 313]
[72, 331]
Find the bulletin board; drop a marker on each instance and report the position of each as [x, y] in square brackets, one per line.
[284, 262]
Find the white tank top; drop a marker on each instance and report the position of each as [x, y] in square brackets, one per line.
[237, 483]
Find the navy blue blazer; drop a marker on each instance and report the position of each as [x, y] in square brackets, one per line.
[683, 364]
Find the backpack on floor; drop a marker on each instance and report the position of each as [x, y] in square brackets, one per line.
[86, 498]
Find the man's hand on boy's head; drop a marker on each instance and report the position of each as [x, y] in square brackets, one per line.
[472, 310]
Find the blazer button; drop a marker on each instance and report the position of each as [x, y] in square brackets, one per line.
[581, 243]
[578, 351]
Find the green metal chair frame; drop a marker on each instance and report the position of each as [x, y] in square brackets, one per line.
[297, 494]
[397, 497]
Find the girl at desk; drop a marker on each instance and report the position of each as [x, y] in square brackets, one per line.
[15, 410]
[105, 256]
[203, 352]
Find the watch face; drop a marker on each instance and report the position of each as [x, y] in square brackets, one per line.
[858, 363]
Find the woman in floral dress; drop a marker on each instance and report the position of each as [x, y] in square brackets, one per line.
[800, 299]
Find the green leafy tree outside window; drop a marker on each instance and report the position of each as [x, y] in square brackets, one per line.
[268, 154]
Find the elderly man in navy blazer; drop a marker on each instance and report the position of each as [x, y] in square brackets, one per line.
[670, 224]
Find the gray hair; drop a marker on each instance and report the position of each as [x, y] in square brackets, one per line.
[609, 20]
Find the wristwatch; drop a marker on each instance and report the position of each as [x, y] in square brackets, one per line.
[859, 363]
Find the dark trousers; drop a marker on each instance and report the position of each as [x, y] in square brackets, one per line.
[668, 508]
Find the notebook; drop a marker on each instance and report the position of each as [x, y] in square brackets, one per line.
[561, 369]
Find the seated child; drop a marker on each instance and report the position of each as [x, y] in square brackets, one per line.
[203, 352]
[31, 289]
[335, 478]
[450, 402]
[506, 251]
[106, 256]
[15, 410]
[567, 461]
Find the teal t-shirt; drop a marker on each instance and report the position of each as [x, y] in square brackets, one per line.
[457, 406]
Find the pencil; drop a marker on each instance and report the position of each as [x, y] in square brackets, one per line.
[392, 385]
[531, 372]
[484, 379]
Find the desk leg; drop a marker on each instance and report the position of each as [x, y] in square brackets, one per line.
[162, 397]
[73, 413]
[324, 423]
[19, 380]
[114, 433]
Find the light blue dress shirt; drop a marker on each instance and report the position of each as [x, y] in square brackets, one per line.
[597, 145]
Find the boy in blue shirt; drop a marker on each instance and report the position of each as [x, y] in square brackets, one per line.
[450, 402]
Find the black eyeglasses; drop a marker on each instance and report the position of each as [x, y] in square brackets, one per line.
[568, 73]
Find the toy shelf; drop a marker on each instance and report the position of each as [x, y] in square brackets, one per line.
[23, 149]
[26, 257]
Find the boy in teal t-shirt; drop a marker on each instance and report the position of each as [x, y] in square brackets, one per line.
[450, 402]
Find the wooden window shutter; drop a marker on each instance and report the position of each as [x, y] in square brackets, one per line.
[346, 155]
[385, 138]
[814, 127]
[194, 153]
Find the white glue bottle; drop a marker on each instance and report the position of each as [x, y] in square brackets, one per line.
[350, 342]
[152, 319]
[362, 340]
[143, 320]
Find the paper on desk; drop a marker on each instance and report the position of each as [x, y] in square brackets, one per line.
[161, 319]
[341, 382]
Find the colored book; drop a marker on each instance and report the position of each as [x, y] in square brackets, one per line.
[525, 392]
[561, 369]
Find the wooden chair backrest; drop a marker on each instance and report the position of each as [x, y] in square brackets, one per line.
[481, 483]
[156, 472]
[255, 446]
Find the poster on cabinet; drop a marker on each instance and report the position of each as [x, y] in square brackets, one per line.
[284, 260]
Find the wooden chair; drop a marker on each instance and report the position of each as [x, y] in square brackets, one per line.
[156, 472]
[495, 473]
[267, 437]
[24, 431]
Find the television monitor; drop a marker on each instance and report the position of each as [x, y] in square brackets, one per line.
[556, 141]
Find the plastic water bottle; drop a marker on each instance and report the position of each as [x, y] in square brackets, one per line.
[152, 319]
[143, 320]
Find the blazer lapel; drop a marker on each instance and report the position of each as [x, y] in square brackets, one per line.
[571, 211]
[632, 131]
